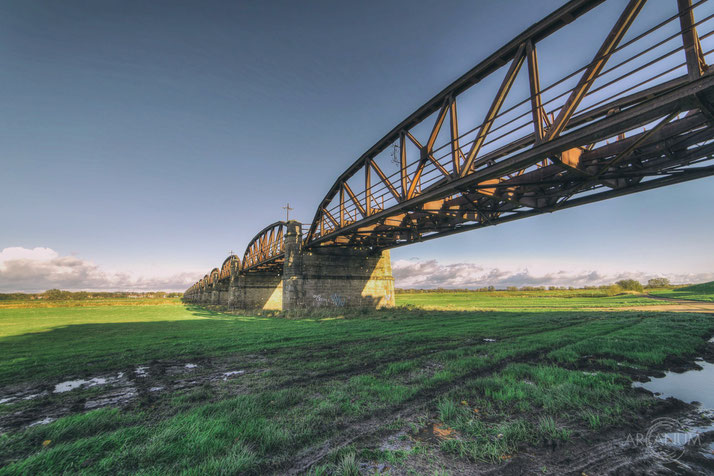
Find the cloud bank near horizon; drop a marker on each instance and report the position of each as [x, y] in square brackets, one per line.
[39, 269]
[432, 274]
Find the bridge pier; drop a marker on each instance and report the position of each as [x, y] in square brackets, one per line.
[235, 296]
[223, 289]
[334, 276]
[262, 290]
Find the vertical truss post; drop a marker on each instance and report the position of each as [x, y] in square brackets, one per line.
[342, 206]
[534, 81]
[367, 188]
[403, 164]
[696, 64]
[455, 150]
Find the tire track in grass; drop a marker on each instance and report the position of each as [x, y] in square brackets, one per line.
[349, 434]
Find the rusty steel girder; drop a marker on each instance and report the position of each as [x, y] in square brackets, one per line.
[214, 276]
[266, 250]
[230, 265]
[636, 122]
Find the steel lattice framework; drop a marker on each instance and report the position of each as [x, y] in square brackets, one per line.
[266, 249]
[231, 264]
[637, 116]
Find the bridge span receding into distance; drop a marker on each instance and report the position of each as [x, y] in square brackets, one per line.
[635, 114]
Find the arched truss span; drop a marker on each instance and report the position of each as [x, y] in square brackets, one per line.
[638, 115]
[214, 276]
[266, 250]
[230, 265]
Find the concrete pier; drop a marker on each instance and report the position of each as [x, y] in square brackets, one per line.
[334, 276]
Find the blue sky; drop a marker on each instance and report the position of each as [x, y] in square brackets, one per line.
[141, 141]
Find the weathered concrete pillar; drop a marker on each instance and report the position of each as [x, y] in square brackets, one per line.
[334, 276]
[235, 290]
[223, 292]
[262, 290]
[292, 266]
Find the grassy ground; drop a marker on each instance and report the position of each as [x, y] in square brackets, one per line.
[697, 292]
[320, 393]
[523, 300]
[35, 304]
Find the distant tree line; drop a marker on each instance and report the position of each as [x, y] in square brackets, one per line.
[619, 286]
[60, 295]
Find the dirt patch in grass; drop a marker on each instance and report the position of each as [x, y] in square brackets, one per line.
[26, 405]
[616, 450]
[412, 440]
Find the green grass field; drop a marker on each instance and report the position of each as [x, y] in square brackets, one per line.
[319, 393]
[522, 300]
[697, 292]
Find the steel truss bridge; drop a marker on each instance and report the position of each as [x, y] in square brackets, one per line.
[530, 136]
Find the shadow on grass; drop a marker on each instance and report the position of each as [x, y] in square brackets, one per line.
[199, 311]
[86, 349]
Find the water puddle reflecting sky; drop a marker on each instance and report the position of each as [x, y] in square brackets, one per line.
[690, 386]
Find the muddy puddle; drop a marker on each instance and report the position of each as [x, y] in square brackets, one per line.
[52, 400]
[81, 383]
[690, 386]
[693, 433]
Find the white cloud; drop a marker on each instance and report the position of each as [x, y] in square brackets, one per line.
[38, 269]
[17, 253]
[432, 274]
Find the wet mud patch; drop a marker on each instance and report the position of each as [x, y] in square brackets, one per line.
[26, 405]
[418, 448]
[676, 364]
